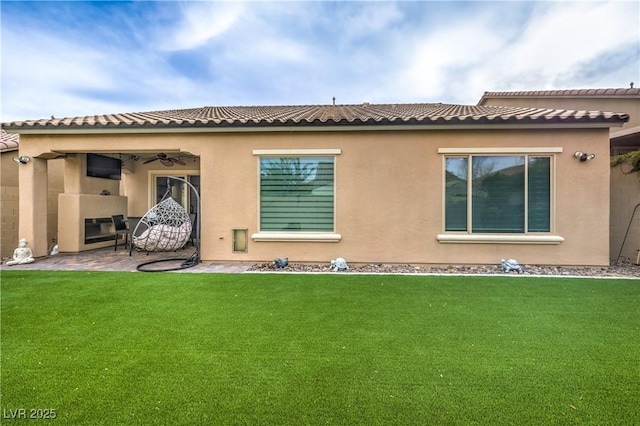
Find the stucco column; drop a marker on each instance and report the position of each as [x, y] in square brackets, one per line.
[33, 205]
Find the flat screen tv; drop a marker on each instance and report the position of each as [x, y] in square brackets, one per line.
[101, 166]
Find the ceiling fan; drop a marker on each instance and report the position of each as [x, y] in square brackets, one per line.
[165, 160]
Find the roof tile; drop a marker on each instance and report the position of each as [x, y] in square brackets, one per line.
[610, 92]
[8, 142]
[314, 115]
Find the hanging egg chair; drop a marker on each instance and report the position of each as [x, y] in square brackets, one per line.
[167, 226]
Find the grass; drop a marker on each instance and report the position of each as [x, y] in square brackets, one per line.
[133, 348]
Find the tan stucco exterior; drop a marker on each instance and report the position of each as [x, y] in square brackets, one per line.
[625, 188]
[388, 202]
[625, 229]
[10, 196]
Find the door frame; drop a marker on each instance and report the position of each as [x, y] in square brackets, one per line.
[153, 188]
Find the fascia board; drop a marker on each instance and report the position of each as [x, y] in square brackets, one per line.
[312, 129]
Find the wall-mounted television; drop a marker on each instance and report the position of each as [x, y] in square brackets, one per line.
[101, 166]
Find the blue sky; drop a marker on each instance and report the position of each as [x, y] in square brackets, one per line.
[84, 58]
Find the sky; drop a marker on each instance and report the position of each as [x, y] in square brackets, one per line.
[73, 58]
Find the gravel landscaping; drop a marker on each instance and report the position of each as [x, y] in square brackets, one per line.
[616, 269]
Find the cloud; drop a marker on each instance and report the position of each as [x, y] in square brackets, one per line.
[441, 57]
[610, 67]
[201, 22]
[364, 20]
[550, 46]
[34, 80]
[558, 39]
[95, 58]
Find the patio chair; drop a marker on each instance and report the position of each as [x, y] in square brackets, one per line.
[136, 229]
[121, 228]
[168, 227]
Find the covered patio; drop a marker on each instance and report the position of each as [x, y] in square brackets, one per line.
[107, 259]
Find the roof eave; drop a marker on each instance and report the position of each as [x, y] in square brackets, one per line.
[564, 94]
[525, 123]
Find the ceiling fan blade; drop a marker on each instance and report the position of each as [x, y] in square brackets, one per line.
[167, 162]
[150, 161]
[179, 161]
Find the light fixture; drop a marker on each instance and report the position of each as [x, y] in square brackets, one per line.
[23, 159]
[583, 156]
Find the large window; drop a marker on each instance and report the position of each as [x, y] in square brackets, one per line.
[489, 194]
[297, 194]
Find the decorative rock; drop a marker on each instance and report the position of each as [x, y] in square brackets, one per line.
[615, 269]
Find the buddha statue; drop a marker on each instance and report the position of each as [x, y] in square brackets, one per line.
[22, 254]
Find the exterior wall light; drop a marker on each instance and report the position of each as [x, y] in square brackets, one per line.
[583, 156]
[23, 159]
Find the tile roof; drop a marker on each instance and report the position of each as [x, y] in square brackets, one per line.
[8, 142]
[320, 115]
[565, 93]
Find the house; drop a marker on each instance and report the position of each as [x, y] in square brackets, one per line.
[393, 183]
[625, 186]
[9, 194]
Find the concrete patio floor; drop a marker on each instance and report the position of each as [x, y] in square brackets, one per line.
[106, 259]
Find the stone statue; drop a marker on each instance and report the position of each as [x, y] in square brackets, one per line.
[281, 263]
[339, 264]
[22, 254]
[511, 265]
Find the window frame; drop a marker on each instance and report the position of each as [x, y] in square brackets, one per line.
[296, 236]
[527, 237]
[154, 196]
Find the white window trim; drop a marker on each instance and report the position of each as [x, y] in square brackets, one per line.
[318, 237]
[296, 152]
[321, 237]
[501, 150]
[499, 239]
[468, 237]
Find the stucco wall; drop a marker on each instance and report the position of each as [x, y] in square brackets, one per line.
[76, 180]
[9, 168]
[624, 188]
[82, 200]
[138, 180]
[55, 171]
[389, 192]
[389, 197]
[625, 195]
[9, 200]
[75, 209]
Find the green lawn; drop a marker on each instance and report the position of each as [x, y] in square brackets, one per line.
[136, 348]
